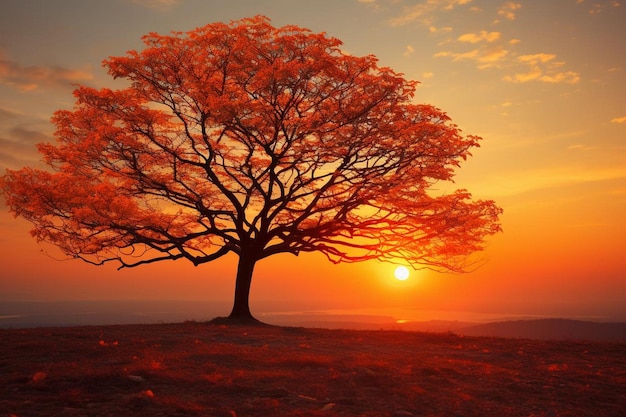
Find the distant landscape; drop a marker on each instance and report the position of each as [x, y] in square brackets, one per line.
[80, 313]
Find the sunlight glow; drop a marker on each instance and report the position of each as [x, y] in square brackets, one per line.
[401, 273]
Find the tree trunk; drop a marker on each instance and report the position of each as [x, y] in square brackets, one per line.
[241, 306]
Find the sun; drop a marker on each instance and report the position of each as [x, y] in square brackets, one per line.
[401, 273]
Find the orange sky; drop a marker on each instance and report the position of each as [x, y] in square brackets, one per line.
[543, 83]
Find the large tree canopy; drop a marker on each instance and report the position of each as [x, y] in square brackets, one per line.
[255, 140]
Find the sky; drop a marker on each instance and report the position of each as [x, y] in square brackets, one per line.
[543, 82]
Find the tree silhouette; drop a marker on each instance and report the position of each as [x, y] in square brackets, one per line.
[255, 140]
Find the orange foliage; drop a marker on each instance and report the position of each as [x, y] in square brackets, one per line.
[256, 140]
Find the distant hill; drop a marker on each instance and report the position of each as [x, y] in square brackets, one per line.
[549, 329]
[541, 329]
[81, 313]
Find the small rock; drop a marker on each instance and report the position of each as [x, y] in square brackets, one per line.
[307, 398]
[328, 406]
[39, 376]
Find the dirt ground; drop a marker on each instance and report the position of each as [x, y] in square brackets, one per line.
[199, 369]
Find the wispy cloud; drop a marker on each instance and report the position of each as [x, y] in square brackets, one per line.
[424, 12]
[619, 119]
[483, 35]
[443, 29]
[534, 58]
[483, 57]
[19, 133]
[542, 67]
[508, 9]
[599, 6]
[539, 67]
[409, 50]
[549, 177]
[29, 78]
[18, 149]
[8, 114]
[490, 48]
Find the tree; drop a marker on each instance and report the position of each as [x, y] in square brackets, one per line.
[254, 140]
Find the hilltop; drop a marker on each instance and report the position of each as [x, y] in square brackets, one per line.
[199, 369]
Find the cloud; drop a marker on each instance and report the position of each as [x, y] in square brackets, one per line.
[443, 29]
[542, 67]
[8, 114]
[534, 58]
[598, 7]
[487, 49]
[508, 9]
[491, 53]
[409, 50]
[483, 57]
[28, 136]
[18, 147]
[515, 183]
[479, 37]
[19, 133]
[163, 5]
[567, 77]
[29, 78]
[619, 119]
[424, 12]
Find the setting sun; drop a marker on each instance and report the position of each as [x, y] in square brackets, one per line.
[401, 273]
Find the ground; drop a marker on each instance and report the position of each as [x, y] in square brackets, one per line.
[201, 369]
